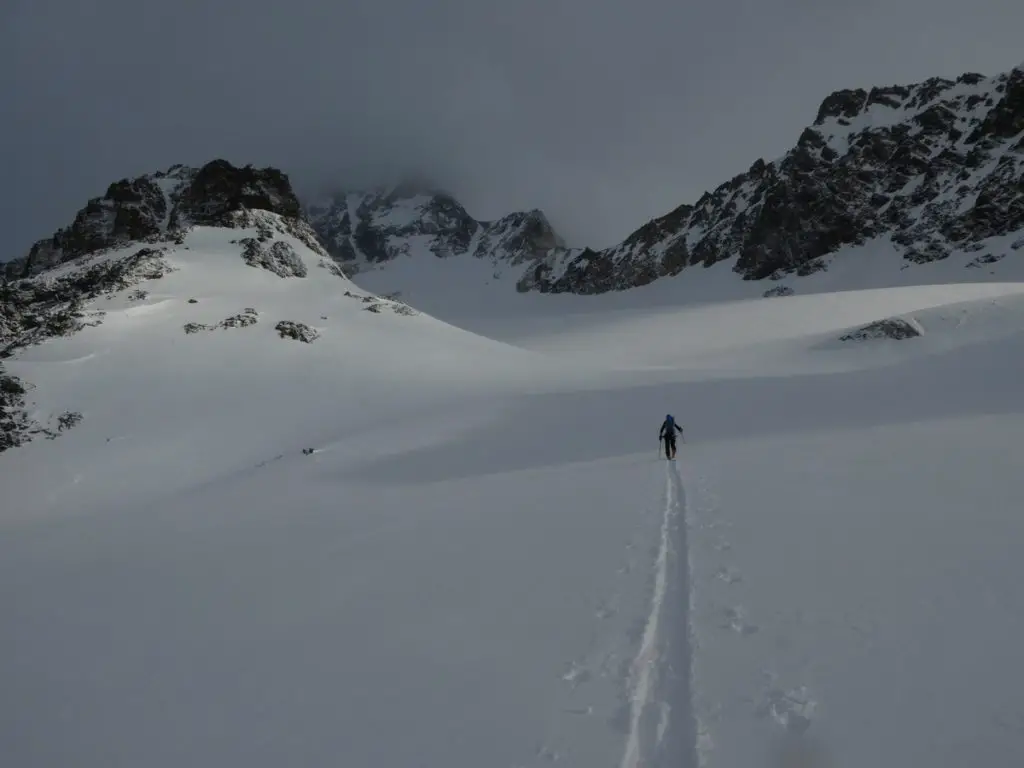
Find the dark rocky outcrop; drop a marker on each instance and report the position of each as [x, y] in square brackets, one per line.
[160, 207]
[288, 329]
[242, 320]
[279, 258]
[32, 311]
[378, 304]
[890, 328]
[15, 425]
[218, 189]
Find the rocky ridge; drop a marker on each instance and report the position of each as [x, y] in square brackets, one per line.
[162, 206]
[935, 167]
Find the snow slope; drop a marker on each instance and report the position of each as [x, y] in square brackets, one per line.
[485, 562]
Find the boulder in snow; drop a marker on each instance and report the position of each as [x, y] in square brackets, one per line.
[289, 329]
[890, 328]
[242, 320]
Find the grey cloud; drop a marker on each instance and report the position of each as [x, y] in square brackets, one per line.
[602, 113]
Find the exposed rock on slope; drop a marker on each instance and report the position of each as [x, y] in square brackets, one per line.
[935, 167]
[242, 320]
[895, 328]
[161, 206]
[123, 239]
[15, 426]
[377, 304]
[280, 258]
[33, 310]
[289, 329]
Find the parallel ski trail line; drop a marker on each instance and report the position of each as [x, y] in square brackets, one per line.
[661, 728]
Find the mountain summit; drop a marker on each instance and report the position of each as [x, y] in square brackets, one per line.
[161, 205]
[364, 230]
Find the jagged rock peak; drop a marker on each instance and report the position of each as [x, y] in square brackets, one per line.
[362, 229]
[843, 106]
[218, 189]
[157, 205]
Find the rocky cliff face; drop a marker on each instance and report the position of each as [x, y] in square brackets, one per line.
[364, 230]
[936, 167]
[159, 206]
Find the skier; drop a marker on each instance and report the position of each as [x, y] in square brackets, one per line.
[668, 434]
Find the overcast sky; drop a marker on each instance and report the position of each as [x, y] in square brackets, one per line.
[604, 113]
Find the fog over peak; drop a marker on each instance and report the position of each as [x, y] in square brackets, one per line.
[603, 114]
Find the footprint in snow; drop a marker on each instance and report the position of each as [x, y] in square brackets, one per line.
[576, 675]
[734, 620]
[605, 611]
[728, 575]
[792, 709]
[546, 753]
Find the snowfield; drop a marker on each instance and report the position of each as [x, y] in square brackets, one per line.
[449, 539]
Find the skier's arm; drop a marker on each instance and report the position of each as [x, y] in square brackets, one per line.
[679, 428]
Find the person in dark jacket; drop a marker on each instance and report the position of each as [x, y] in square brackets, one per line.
[668, 434]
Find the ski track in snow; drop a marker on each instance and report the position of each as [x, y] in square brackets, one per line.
[662, 730]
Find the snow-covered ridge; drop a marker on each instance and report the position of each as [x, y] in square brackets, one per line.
[936, 167]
